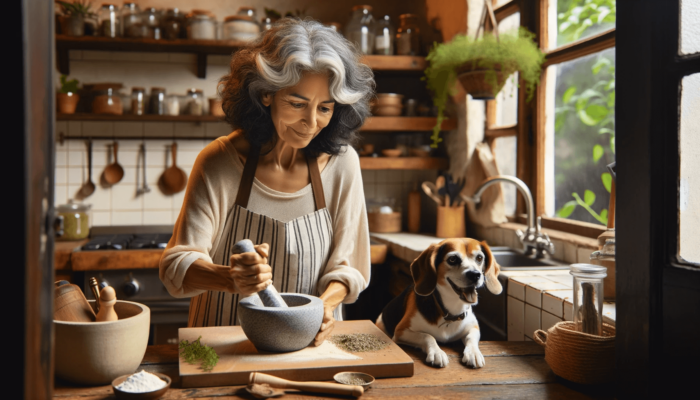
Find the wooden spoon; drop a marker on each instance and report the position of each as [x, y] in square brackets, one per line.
[315, 387]
[114, 172]
[88, 187]
[173, 179]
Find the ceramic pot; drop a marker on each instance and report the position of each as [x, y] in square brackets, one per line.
[279, 329]
[473, 80]
[66, 102]
[73, 26]
[95, 353]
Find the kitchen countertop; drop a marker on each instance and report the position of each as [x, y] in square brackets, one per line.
[513, 370]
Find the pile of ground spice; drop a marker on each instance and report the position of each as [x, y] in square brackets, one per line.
[351, 381]
[358, 342]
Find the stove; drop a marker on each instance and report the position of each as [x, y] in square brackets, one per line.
[141, 285]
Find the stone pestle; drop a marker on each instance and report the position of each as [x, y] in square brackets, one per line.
[269, 296]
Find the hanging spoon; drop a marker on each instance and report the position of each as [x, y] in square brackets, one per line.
[114, 172]
[88, 187]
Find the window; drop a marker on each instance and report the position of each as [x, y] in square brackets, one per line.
[689, 182]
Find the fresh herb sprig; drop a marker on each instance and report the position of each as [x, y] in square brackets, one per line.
[197, 352]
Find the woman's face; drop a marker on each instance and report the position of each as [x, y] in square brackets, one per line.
[300, 112]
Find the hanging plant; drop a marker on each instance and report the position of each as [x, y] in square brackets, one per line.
[482, 66]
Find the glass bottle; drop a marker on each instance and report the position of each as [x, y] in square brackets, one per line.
[131, 20]
[173, 24]
[157, 101]
[109, 18]
[384, 37]
[138, 95]
[408, 36]
[360, 29]
[588, 297]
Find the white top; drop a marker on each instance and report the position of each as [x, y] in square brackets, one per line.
[211, 193]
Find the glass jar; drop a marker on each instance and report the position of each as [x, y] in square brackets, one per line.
[408, 36]
[172, 104]
[247, 11]
[360, 29]
[195, 102]
[132, 24]
[173, 24]
[241, 28]
[266, 23]
[157, 101]
[138, 95]
[606, 258]
[151, 20]
[588, 297]
[75, 219]
[107, 99]
[384, 37]
[109, 18]
[201, 25]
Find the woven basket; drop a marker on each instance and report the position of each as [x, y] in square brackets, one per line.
[473, 80]
[577, 356]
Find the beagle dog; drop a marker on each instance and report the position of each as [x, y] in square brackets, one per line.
[437, 307]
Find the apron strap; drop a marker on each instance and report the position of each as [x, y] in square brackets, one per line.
[248, 177]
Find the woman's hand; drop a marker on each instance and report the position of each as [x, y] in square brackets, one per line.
[250, 272]
[334, 295]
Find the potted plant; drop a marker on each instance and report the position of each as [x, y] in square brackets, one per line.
[74, 15]
[67, 96]
[482, 66]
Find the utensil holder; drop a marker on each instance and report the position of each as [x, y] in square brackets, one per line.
[450, 222]
[577, 356]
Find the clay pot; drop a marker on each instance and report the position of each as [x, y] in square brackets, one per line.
[66, 102]
[95, 353]
[473, 80]
[73, 25]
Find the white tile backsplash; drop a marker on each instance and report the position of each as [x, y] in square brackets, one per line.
[516, 319]
[157, 217]
[532, 320]
[549, 320]
[127, 217]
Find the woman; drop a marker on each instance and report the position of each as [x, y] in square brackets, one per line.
[285, 178]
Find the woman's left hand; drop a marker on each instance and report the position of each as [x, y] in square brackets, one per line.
[332, 297]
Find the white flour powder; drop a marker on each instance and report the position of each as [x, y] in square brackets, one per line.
[141, 382]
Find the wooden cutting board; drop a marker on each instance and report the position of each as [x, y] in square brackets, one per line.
[238, 358]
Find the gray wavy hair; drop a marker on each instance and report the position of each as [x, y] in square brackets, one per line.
[277, 61]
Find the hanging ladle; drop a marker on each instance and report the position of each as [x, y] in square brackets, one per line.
[88, 187]
[173, 179]
[114, 172]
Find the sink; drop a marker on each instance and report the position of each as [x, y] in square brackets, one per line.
[512, 260]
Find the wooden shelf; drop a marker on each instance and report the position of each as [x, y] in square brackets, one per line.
[201, 48]
[403, 163]
[373, 124]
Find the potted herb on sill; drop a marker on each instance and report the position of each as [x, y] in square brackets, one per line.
[67, 97]
[73, 16]
[482, 66]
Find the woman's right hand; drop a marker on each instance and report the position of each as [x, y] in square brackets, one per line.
[250, 271]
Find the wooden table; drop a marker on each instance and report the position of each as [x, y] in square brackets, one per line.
[514, 370]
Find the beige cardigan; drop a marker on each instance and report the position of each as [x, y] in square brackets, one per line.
[211, 193]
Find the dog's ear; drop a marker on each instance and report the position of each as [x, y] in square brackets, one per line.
[492, 270]
[423, 271]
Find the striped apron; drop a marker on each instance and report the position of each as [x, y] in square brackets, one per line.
[299, 249]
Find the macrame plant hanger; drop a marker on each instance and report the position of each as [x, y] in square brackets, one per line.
[487, 13]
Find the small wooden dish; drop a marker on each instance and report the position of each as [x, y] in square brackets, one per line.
[388, 110]
[156, 394]
[419, 152]
[343, 377]
[391, 152]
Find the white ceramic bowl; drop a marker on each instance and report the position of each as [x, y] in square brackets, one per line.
[95, 353]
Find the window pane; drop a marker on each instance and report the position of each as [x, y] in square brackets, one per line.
[583, 122]
[498, 3]
[505, 152]
[689, 191]
[507, 98]
[690, 27]
[579, 19]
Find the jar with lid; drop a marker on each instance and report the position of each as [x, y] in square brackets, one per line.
[247, 11]
[173, 24]
[172, 104]
[360, 29]
[201, 25]
[109, 18]
[107, 99]
[384, 37]
[138, 95]
[240, 27]
[588, 297]
[132, 26]
[266, 23]
[151, 20]
[74, 220]
[157, 101]
[408, 36]
[195, 102]
[605, 257]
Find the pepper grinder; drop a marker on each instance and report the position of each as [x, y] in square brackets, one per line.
[108, 298]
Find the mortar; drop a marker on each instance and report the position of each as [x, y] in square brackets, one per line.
[277, 329]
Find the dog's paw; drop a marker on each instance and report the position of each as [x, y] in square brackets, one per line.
[437, 358]
[473, 357]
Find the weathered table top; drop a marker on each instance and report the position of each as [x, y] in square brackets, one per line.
[514, 370]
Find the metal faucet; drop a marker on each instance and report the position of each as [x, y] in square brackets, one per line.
[533, 240]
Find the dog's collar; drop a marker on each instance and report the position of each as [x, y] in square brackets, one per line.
[445, 314]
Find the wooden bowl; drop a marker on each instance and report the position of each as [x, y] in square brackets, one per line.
[390, 110]
[418, 152]
[384, 222]
[389, 99]
[391, 152]
[156, 394]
